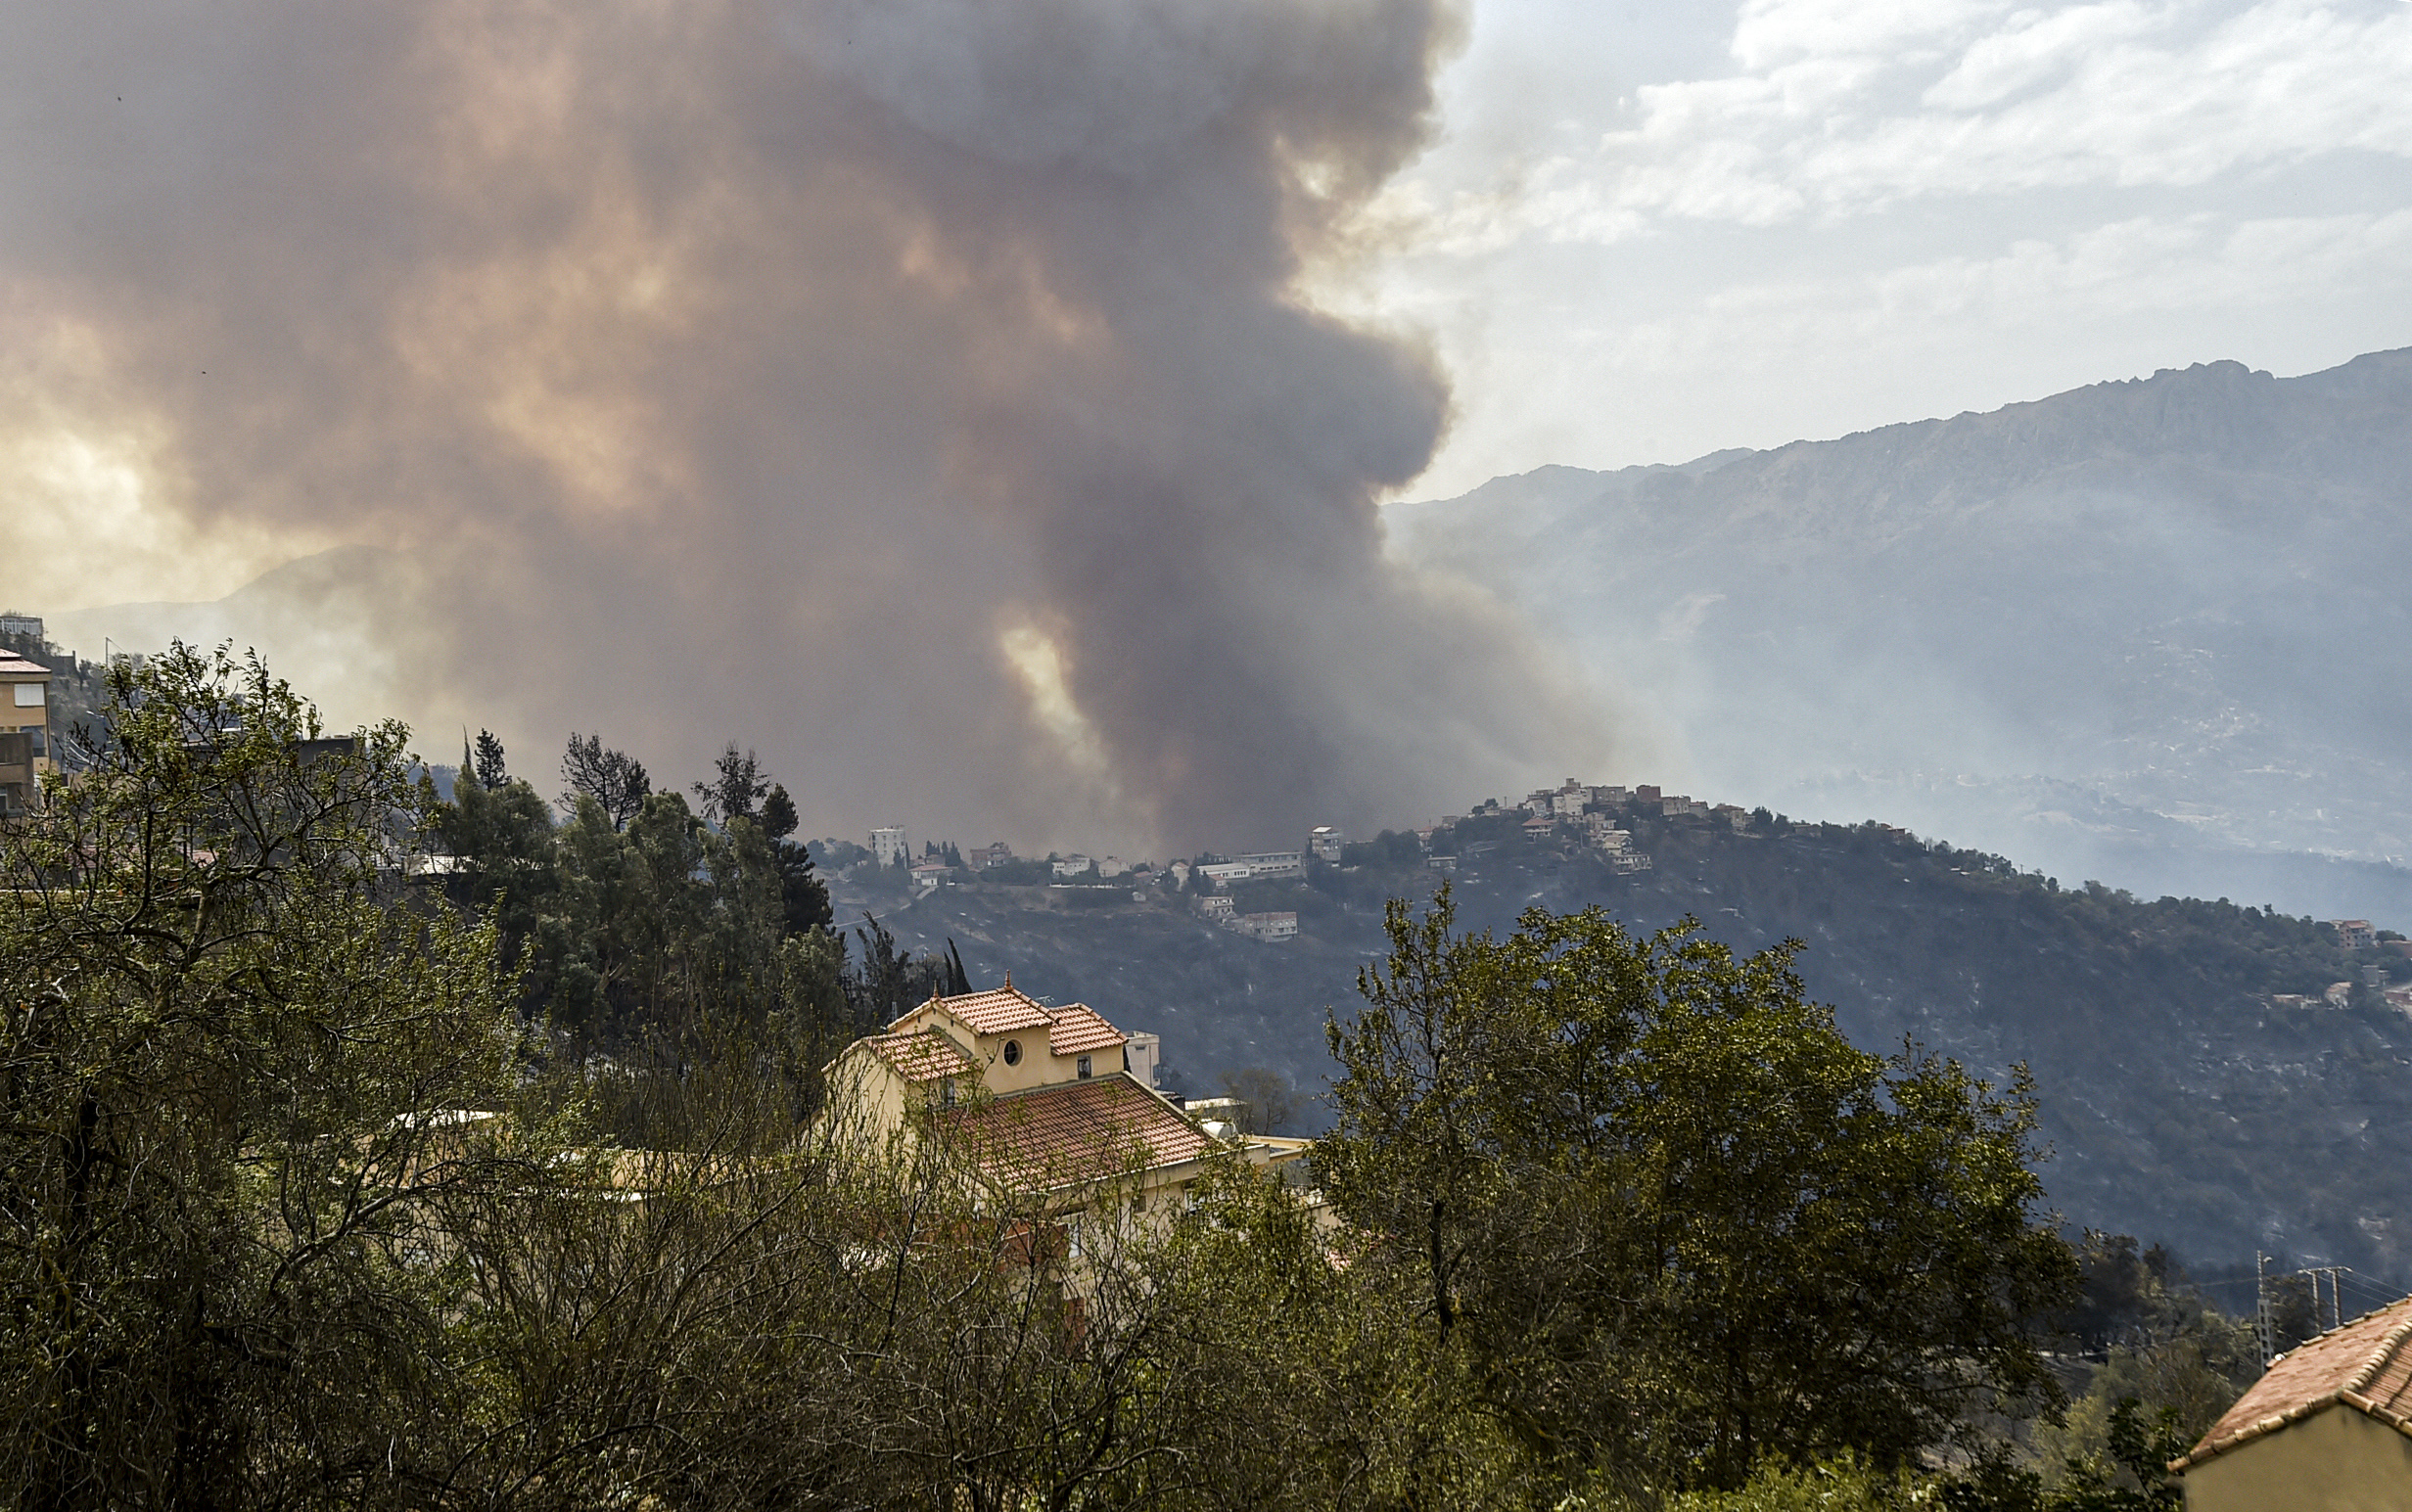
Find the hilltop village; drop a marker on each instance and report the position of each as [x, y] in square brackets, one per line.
[1214, 883]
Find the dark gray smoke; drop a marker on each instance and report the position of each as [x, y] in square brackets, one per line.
[911, 389]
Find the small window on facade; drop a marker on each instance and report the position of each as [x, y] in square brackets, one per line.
[1082, 1069]
[30, 695]
[946, 1093]
[1013, 1052]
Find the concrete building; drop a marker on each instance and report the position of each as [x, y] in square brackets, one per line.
[1069, 866]
[998, 854]
[889, 846]
[1324, 842]
[1145, 1055]
[2355, 934]
[1273, 863]
[2328, 1428]
[25, 729]
[1267, 925]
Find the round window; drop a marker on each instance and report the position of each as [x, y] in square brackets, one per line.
[1013, 1052]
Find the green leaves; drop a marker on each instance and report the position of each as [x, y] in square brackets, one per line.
[1677, 1217]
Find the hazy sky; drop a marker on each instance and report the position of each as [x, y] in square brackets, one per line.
[983, 405]
[1650, 231]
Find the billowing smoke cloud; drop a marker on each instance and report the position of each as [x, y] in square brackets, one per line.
[912, 388]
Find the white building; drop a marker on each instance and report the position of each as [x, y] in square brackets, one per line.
[1273, 863]
[1071, 865]
[889, 846]
[1267, 925]
[1142, 1054]
[1324, 842]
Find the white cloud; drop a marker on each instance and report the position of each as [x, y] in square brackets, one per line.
[1845, 106]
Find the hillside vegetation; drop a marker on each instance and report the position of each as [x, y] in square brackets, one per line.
[2178, 1104]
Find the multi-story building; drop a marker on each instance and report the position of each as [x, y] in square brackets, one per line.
[1267, 925]
[889, 846]
[1324, 842]
[1273, 863]
[25, 728]
[2354, 934]
[1048, 1104]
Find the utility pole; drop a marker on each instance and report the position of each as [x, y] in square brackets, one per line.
[2261, 1300]
[2336, 1292]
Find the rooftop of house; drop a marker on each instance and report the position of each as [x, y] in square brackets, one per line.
[1075, 1029]
[2364, 1365]
[922, 1056]
[1074, 1131]
[17, 664]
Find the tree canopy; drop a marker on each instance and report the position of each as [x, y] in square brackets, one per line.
[1674, 1217]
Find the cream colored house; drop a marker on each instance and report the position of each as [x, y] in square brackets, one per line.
[25, 728]
[2328, 1428]
[1045, 1099]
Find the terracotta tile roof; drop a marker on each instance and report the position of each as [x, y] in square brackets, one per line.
[1080, 1029]
[1076, 1029]
[2365, 1366]
[996, 1012]
[923, 1057]
[1073, 1132]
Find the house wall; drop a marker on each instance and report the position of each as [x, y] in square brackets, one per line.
[24, 760]
[1037, 1066]
[2337, 1460]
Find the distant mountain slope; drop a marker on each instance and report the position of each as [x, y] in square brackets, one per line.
[2180, 1105]
[2183, 597]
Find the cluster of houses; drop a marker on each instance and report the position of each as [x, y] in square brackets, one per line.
[2356, 935]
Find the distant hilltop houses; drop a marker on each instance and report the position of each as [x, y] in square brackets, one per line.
[1572, 818]
[2385, 979]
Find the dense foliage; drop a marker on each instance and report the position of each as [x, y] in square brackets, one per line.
[1681, 1223]
[321, 1184]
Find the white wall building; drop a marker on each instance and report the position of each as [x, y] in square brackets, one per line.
[888, 844]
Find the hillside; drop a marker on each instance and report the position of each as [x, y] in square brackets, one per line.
[2180, 1106]
[2139, 631]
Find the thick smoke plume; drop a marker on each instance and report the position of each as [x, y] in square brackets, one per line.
[912, 388]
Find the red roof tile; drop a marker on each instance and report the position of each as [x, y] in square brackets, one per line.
[1076, 1029]
[1074, 1131]
[1080, 1029]
[923, 1057]
[996, 1012]
[2364, 1365]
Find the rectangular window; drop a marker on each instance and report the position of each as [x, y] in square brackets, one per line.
[946, 1093]
[1082, 1069]
[30, 695]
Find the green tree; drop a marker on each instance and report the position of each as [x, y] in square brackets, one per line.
[1673, 1216]
[236, 1068]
